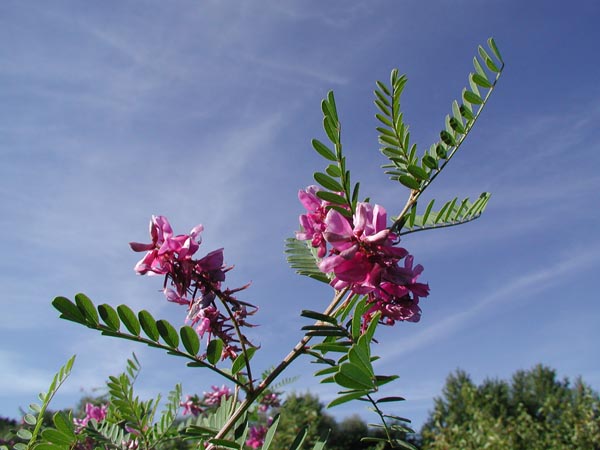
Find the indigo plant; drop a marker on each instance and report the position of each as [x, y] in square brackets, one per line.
[350, 243]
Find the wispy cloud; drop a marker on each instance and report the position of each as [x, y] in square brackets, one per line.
[523, 287]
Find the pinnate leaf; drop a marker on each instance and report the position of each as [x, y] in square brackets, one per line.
[328, 182]
[129, 319]
[214, 351]
[323, 150]
[87, 308]
[109, 316]
[190, 340]
[68, 310]
[148, 324]
[168, 333]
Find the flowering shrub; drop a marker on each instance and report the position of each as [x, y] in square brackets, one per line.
[349, 244]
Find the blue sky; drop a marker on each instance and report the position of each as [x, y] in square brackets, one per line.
[203, 111]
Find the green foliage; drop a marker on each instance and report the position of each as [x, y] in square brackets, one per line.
[299, 412]
[417, 172]
[535, 410]
[452, 213]
[83, 312]
[303, 258]
[353, 370]
[205, 427]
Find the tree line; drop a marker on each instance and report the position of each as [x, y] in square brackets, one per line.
[534, 410]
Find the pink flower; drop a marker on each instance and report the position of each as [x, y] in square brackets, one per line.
[361, 252]
[195, 283]
[257, 436]
[397, 297]
[364, 258]
[164, 247]
[270, 400]
[215, 397]
[98, 413]
[312, 223]
[192, 405]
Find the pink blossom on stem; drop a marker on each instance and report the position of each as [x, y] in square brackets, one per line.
[270, 400]
[192, 405]
[215, 397]
[313, 222]
[257, 436]
[364, 258]
[98, 413]
[195, 283]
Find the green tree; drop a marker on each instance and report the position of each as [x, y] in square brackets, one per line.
[299, 411]
[534, 411]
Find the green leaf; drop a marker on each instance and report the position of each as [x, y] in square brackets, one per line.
[63, 423]
[346, 398]
[240, 361]
[478, 67]
[23, 433]
[168, 333]
[225, 443]
[331, 106]
[303, 259]
[327, 182]
[330, 347]
[360, 358]
[356, 319]
[330, 130]
[417, 172]
[466, 112]
[299, 440]
[148, 324]
[323, 150]
[334, 171]
[87, 308]
[472, 98]
[327, 332]
[270, 433]
[214, 351]
[390, 399]
[56, 437]
[190, 340]
[68, 310]
[129, 319]
[21, 446]
[441, 152]
[331, 197]
[109, 316]
[430, 162]
[352, 376]
[456, 125]
[481, 81]
[494, 48]
[35, 408]
[389, 140]
[384, 120]
[380, 380]
[409, 182]
[447, 138]
[318, 316]
[327, 371]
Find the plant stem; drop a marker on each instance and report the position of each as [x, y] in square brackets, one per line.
[292, 355]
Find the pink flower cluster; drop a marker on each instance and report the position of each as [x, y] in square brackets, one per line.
[217, 395]
[363, 257]
[195, 283]
[192, 405]
[269, 400]
[98, 413]
[257, 436]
